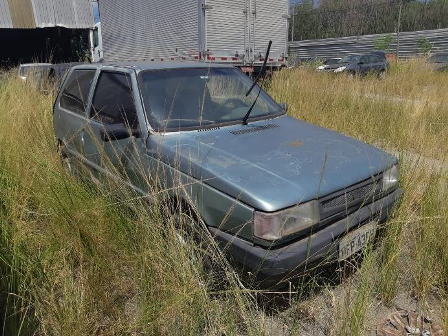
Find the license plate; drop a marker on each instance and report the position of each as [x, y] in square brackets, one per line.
[356, 240]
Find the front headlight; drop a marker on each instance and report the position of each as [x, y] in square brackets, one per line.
[340, 69]
[273, 226]
[390, 177]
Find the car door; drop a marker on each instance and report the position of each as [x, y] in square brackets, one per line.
[113, 106]
[375, 63]
[364, 66]
[70, 115]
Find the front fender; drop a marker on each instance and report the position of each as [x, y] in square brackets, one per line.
[217, 209]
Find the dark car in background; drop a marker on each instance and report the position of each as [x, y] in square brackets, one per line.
[438, 62]
[37, 74]
[58, 71]
[45, 76]
[360, 65]
[35, 70]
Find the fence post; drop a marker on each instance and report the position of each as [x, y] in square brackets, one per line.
[398, 28]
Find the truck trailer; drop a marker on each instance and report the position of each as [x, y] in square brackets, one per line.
[218, 31]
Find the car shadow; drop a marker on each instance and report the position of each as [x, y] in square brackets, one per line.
[307, 284]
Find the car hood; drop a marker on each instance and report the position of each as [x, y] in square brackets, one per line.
[336, 66]
[273, 164]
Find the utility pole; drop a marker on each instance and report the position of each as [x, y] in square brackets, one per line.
[400, 9]
[293, 20]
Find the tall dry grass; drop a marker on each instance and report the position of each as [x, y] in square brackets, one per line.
[82, 259]
[405, 114]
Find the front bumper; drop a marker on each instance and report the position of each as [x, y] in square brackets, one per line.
[276, 265]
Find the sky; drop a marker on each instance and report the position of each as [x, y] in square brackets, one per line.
[96, 13]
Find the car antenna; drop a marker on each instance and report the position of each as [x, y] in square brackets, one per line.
[261, 73]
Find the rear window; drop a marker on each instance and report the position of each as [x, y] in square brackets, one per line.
[76, 91]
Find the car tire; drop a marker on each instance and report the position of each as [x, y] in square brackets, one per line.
[382, 74]
[188, 231]
[66, 160]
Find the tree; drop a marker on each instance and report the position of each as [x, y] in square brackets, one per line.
[424, 45]
[383, 42]
[336, 18]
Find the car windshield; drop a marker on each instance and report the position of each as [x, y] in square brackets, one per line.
[35, 70]
[332, 61]
[190, 98]
[349, 59]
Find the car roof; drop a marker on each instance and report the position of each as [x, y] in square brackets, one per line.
[141, 66]
[34, 64]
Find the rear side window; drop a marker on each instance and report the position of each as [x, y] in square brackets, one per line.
[375, 59]
[113, 102]
[365, 59]
[76, 91]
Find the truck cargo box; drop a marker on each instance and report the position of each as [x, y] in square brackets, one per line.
[223, 31]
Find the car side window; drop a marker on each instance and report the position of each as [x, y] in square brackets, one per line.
[76, 91]
[364, 60]
[113, 101]
[375, 59]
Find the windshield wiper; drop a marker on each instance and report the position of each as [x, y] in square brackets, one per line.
[261, 73]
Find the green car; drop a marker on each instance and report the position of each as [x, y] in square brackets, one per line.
[278, 192]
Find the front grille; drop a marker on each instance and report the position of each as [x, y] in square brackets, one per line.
[359, 194]
[253, 129]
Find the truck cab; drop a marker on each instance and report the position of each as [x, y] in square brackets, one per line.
[96, 43]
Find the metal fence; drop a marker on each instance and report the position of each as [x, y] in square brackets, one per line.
[338, 47]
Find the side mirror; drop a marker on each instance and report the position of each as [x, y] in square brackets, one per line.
[117, 132]
[284, 106]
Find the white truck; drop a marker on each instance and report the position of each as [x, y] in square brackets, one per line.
[223, 31]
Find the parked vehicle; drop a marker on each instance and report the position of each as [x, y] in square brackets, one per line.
[276, 191]
[328, 62]
[360, 65]
[438, 62]
[58, 71]
[37, 74]
[37, 70]
[381, 54]
[213, 31]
